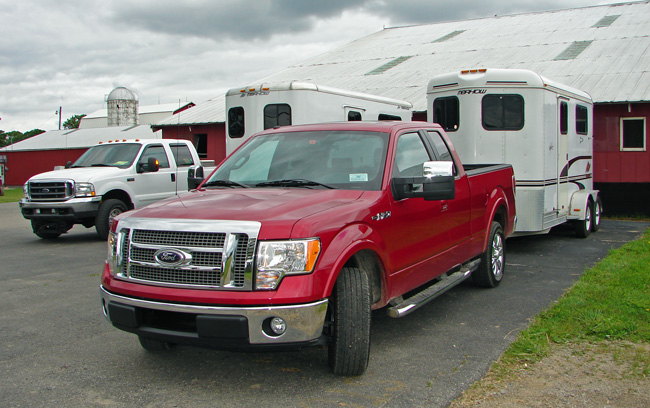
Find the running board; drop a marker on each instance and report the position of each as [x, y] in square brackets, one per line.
[421, 298]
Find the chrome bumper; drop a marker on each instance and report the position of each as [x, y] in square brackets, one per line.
[304, 321]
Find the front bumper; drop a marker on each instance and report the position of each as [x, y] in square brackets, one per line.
[70, 210]
[215, 326]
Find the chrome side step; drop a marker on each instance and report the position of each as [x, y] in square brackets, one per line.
[421, 298]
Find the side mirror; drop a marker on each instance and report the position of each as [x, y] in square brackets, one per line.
[194, 177]
[437, 183]
[152, 166]
[68, 165]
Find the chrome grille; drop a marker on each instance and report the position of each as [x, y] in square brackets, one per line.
[211, 260]
[51, 190]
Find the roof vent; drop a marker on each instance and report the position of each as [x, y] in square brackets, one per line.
[389, 65]
[606, 21]
[449, 36]
[573, 50]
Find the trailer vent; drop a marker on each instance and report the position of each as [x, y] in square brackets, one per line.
[606, 21]
[573, 50]
[389, 65]
[449, 36]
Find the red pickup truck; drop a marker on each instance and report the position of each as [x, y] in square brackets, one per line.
[301, 232]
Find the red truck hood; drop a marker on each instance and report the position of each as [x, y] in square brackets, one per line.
[278, 209]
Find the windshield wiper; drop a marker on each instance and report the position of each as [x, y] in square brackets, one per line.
[224, 183]
[100, 165]
[292, 183]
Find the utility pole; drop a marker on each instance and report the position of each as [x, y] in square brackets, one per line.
[59, 117]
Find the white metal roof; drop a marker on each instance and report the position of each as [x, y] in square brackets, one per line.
[211, 111]
[81, 138]
[603, 50]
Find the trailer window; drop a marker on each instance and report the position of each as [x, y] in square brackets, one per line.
[633, 134]
[581, 120]
[503, 112]
[354, 116]
[236, 122]
[564, 118]
[446, 113]
[278, 114]
[385, 116]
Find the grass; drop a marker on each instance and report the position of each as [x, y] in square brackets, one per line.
[611, 301]
[12, 195]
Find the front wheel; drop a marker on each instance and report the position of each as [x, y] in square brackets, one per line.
[349, 319]
[493, 261]
[108, 210]
[583, 227]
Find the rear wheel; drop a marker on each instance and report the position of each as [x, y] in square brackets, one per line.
[598, 211]
[108, 210]
[583, 227]
[349, 323]
[493, 261]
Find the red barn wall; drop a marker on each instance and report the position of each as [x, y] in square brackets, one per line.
[216, 137]
[611, 165]
[21, 165]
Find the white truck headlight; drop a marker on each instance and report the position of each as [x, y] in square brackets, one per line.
[275, 259]
[84, 190]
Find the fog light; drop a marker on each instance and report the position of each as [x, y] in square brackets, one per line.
[278, 326]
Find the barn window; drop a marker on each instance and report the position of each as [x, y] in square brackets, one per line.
[503, 112]
[277, 114]
[446, 113]
[633, 134]
[582, 127]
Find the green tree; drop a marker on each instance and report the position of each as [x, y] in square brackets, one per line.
[7, 138]
[73, 122]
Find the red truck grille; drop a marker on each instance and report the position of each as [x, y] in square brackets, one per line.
[205, 259]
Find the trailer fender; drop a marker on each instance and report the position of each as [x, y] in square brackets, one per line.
[578, 203]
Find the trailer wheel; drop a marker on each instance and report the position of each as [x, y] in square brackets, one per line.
[493, 261]
[154, 345]
[108, 210]
[583, 227]
[349, 323]
[598, 211]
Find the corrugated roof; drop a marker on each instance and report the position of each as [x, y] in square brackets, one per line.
[81, 138]
[211, 111]
[604, 50]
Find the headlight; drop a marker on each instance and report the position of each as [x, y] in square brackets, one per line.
[84, 190]
[275, 259]
[115, 256]
[26, 190]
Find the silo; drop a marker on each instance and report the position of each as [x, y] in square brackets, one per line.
[122, 106]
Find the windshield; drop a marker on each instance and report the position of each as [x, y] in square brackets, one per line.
[114, 155]
[322, 159]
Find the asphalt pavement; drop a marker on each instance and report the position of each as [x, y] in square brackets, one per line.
[56, 349]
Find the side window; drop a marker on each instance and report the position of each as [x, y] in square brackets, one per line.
[581, 120]
[446, 113]
[354, 116]
[386, 116]
[157, 151]
[278, 114]
[236, 122]
[182, 155]
[633, 134]
[440, 146]
[564, 118]
[502, 112]
[410, 154]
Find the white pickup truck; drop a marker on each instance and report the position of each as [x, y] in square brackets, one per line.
[106, 180]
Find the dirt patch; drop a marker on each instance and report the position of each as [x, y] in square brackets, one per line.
[572, 376]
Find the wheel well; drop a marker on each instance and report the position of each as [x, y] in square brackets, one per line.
[501, 217]
[119, 195]
[369, 262]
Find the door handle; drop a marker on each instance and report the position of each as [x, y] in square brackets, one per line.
[444, 206]
[173, 177]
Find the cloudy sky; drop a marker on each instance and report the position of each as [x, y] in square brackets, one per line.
[72, 53]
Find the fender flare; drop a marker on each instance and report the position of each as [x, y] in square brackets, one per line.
[578, 203]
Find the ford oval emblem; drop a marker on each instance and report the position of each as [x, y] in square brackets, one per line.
[169, 257]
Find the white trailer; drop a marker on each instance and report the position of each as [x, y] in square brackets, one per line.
[251, 109]
[543, 128]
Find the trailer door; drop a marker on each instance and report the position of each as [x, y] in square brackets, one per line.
[563, 157]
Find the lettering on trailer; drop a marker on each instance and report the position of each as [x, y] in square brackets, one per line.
[245, 94]
[472, 91]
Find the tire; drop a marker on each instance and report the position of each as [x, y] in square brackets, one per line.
[51, 230]
[598, 212]
[154, 345]
[349, 315]
[108, 210]
[493, 261]
[583, 227]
